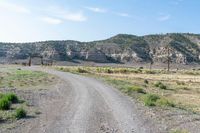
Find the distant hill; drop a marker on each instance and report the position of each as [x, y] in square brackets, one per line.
[182, 48]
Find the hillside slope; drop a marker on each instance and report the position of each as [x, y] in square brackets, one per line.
[183, 48]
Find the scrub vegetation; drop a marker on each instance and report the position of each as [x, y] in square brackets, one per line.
[17, 78]
[11, 107]
[177, 88]
[18, 88]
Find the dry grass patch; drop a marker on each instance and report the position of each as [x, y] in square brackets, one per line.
[17, 78]
[181, 87]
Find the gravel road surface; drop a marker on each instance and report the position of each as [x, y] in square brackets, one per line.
[85, 105]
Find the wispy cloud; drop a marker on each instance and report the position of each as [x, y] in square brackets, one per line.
[164, 17]
[13, 7]
[103, 10]
[121, 14]
[96, 9]
[51, 20]
[65, 15]
[74, 16]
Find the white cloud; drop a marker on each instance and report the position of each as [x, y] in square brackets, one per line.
[102, 10]
[96, 9]
[164, 17]
[63, 14]
[74, 16]
[51, 20]
[13, 7]
[123, 14]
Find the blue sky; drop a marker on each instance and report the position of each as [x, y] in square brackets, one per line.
[87, 20]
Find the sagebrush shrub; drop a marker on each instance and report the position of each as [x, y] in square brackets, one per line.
[137, 89]
[20, 113]
[165, 102]
[109, 71]
[157, 84]
[150, 99]
[162, 86]
[80, 70]
[146, 81]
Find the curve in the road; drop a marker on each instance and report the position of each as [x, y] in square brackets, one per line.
[87, 105]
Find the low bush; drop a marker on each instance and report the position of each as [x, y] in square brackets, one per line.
[61, 68]
[109, 71]
[139, 70]
[146, 81]
[150, 99]
[161, 85]
[185, 88]
[20, 113]
[155, 100]
[180, 83]
[137, 89]
[4, 104]
[80, 70]
[192, 73]
[11, 97]
[149, 72]
[164, 102]
[157, 84]
[123, 70]
[141, 67]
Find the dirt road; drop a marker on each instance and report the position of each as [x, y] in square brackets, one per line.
[85, 105]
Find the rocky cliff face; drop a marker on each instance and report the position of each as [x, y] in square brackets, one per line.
[181, 48]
